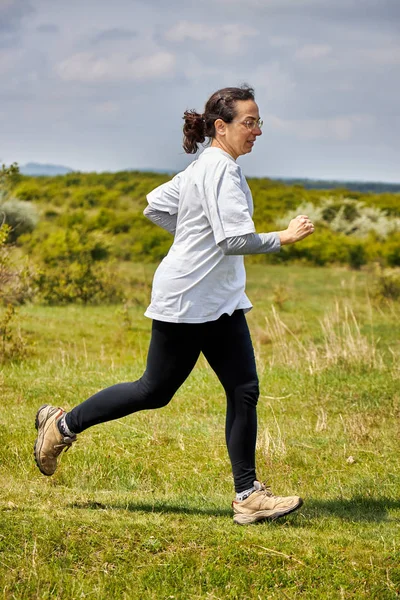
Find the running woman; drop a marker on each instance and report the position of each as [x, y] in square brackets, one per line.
[198, 300]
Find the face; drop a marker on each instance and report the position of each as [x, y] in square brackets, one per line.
[236, 137]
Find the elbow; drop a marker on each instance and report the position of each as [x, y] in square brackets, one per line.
[227, 251]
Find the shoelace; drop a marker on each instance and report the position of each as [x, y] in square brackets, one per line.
[65, 444]
[266, 490]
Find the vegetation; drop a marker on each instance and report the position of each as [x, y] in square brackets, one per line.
[140, 507]
[110, 206]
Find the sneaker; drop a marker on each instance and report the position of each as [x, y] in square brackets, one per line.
[262, 504]
[50, 442]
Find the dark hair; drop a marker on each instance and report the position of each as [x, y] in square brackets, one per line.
[221, 105]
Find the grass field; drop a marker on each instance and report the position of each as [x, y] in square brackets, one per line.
[140, 508]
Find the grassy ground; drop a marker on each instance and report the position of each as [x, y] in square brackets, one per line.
[140, 508]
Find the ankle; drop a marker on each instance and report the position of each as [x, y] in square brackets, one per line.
[64, 429]
[240, 496]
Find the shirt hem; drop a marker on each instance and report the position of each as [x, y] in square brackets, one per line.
[170, 319]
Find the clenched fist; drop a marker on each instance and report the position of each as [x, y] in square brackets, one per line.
[298, 229]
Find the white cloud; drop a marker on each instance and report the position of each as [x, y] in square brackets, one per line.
[106, 108]
[9, 59]
[192, 31]
[312, 51]
[88, 68]
[229, 37]
[281, 41]
[271, 81]
[382, 56]
[339, 128]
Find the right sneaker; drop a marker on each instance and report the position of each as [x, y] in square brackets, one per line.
[263, 505]
[50, 442]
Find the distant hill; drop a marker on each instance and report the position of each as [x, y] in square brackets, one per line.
[39, 169]
[376, 187]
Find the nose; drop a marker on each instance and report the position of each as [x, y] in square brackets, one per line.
[257, 130]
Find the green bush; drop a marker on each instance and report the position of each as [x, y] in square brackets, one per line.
[71, 272]
[386, 284]
[21, 217]
[16, 280]
[12, 345]
[80, 283]
[29, 191]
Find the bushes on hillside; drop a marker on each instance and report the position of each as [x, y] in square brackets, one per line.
[347, 232]
[71, 269]
[353, 228]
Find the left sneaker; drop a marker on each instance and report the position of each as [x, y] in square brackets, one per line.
[263, 505]
[50, 442]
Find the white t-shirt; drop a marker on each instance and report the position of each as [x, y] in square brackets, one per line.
[196, 282]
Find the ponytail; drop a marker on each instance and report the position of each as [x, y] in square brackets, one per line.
[193, 131]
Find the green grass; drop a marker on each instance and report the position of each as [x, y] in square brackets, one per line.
[140, 508]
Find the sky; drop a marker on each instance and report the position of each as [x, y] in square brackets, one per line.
[100, 85]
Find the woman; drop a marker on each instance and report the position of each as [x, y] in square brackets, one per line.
[198, 301]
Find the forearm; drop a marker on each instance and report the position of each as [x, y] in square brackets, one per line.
[252, 243]
[162, 219]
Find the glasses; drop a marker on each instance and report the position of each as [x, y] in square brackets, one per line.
[251, 124]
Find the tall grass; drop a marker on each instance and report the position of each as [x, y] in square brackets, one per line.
[341, 342]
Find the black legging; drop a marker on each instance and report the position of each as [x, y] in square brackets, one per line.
[173, 352]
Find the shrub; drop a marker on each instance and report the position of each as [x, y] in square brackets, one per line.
[12, 290]
[12, 344]
[386, 284]
[28, 191]
[70, 271]
[348, 216]
[80, 283]
[16, 281]
[21, 217]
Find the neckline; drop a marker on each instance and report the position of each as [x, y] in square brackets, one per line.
[215, 149]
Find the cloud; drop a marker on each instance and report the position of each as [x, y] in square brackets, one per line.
[312, 51]
[87, 68]
[229, 37]
[114, 35]
[271, 81]
[382, 56]
[281, 41]
[107, 109]
[191, 31]
[340, 128]
[12, 12]
[47, 28]
[325, 9]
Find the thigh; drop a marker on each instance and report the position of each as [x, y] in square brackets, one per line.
[228, 348]
[173, 352]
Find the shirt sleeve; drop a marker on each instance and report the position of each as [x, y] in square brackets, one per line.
[226, 203]
[253, 243]
[165, 197]
[161, 218]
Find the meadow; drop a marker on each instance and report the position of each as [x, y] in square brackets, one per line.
[140, 507]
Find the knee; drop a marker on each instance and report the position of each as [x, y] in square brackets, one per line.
[156, 395]
[248, 393]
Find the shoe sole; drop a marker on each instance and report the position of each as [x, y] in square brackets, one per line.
[264, 515]
[38, 446]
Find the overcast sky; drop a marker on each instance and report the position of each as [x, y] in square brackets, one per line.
[102, 85]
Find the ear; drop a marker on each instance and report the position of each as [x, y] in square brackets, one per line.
[220, 126]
